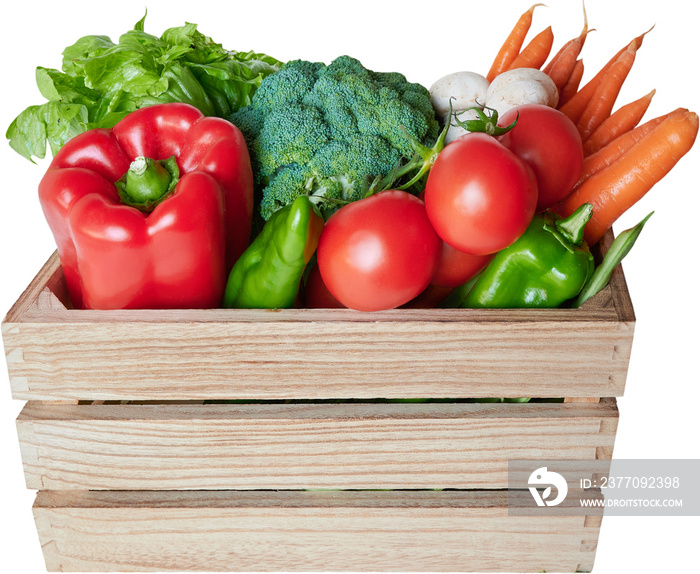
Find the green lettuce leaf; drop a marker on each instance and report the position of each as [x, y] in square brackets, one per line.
[101, 82]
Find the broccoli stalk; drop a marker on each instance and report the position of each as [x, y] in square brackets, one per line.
[419, 166]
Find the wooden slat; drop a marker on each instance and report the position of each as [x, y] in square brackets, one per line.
[50, 273]
[57, 353]
[292, 446]
[305, 531]
[309, 360]
[31, 307]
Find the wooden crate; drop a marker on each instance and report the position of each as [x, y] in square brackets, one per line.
[143, 463]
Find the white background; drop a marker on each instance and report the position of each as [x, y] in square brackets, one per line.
[424, 40]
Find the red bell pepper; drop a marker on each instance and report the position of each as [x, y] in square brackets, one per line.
[138, 233]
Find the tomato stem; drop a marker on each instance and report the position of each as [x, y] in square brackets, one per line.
[486, 123]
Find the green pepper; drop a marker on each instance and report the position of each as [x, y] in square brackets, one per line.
[548, 265]
[268, 274]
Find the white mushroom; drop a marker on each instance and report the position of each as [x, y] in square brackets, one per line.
[516, 94]
[513, 78]
[465, 89]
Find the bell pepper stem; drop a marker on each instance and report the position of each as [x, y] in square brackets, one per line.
[572, 227]
[569, 231]
[148, 182]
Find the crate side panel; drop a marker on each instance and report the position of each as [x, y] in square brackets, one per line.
[410, 534]
[49, 277]
[300, 446]
[313, 360]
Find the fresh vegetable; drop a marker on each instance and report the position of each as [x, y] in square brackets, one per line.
[562, 65]
[521, 86]
[137, 233]
[317, 295]
[621, 121]
[431, 298]
[535, 54]
[575, 106]
[378, 253]
[548, 265]
[102, 82]
[547, 141]
[458, 295]
[605, 95]
[268, 274]
[156, 211]
[572, 83]
[511, 47]
[619, 248]
[328, 131]
[617, 187]
[601, 159]
[467, 92]
[459, 93]
[479, 196]
[455, 267]
[456, 130]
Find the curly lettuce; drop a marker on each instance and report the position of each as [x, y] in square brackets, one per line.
[101, 82]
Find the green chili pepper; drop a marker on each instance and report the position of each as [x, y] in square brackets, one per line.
[268, 274]
[548, 265]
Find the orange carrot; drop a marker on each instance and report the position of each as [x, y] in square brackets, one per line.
[604, 157]
[535, 54]
[620, 122]
[603, 100]
[562, 64]
[619, 186]
[572, 84]
[511, 47]
[574, 107]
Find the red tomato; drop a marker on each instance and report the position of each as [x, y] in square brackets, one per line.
[431, 298]
[455, 267]
[317, 295]
[480, 197]
[379, 252]
[550, 144]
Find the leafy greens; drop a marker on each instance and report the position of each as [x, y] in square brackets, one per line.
[102, 82]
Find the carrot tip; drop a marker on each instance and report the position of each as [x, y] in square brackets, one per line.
[532, 8]
[585, 20]
[639, 39]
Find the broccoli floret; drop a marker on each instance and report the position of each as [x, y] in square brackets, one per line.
[327, 131]
[292, 134]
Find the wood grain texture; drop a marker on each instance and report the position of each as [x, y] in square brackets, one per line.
[152, 361]
[297, 446]
[305, 531]
[619, 293]
[63, 354]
